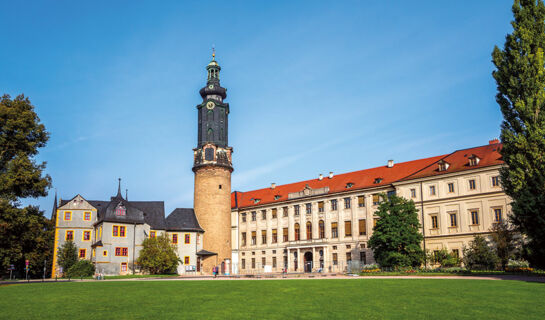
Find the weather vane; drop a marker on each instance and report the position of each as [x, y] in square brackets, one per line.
[213, 52]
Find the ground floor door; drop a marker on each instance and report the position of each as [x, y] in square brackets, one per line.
[198, 264]
[308, 261]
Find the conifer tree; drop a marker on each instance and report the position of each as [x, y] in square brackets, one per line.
[520, 78]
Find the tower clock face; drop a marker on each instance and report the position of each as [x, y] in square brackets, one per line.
[211, 86]
[210, 105]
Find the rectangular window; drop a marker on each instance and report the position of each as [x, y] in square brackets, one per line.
[69, 235]
[274, 262]
[285, 211]
[347, 203]
[264, 214]
[254, 215]
[186, 260]
[432, 190]
[309, 208]
[348, 228]
[152, 234]
[67, 215]
[123, 267]
[263, 236]
[334, 230]
[115, 231]
[121, 252]
[348, 257]
[474, 217]
[121, 231]
[362, 227]
[274, 213]
[263, 263]
[361, 201]
[244, 239]
[82, 253]
[243, 263]
[321, 206]
[254, 238]
[497, 215]
[335, 261]
[175, 238]
[334, 205]
[87, 216]
[104, 253]
[86, 235]
[274, 236]
[472, 184]
[253, 263]
[453, 220]
[187, 238]
[496, 181]
[375, 220]
[296, 209]
[285, 234]
[451, 187]
[243, 217]
[376, 199]
[434, 222]
[413, 193]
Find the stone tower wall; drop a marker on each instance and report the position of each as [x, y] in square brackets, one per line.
[213, 210]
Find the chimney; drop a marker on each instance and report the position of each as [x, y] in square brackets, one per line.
[493, 141]
[330, 174]
[320, 177]
[273, 185]
[390, 163]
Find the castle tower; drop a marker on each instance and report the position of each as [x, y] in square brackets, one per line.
[212, 167]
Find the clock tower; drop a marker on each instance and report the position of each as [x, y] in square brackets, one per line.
[212, 167]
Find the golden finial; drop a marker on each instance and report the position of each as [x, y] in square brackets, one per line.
[213, 52]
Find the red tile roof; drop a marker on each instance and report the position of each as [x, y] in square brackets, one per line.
[363, 179]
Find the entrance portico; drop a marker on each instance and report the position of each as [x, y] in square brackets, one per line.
[306, 258]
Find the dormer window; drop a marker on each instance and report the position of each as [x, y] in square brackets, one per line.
[377, 180]
[120, 210]
[473, 160]
[349, 185]
[443, 165]
[277, 197]
[256, 201]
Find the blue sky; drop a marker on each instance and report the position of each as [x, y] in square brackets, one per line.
[313, 86]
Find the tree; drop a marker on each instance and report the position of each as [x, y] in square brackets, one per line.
[504, 241]
[67, 255]
[158, 256]
[82, 268]
[479, 255]
[21, 135]
[520, 78]
[396, 237]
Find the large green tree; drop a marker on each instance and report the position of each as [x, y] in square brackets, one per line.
[67, 256]
[520, 78]
[158, 256]
[396, 237]
[25, 234]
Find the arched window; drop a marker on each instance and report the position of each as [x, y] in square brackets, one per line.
[297, 232]
[309, 230]
[210, 134]
[322, 229]
[210, 115]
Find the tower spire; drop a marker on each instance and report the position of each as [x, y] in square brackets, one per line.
[119, 188]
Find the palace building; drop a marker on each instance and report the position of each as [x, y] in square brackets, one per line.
[325, 223]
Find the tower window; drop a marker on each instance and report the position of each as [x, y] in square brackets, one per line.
[210, 134]
[209, 153]
[220, 186]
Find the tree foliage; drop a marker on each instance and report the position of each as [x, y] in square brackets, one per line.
[158, 256]
[444, 258]
[479, 255]
[82, 268]
[396, 237]
[67, 256]
[520, 78]
[505, 242]
[21, 135]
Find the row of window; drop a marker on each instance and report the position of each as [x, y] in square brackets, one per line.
[174, 238]
[472, 185]
[335, 260]
[68, 216]
[362, 230]
[308, 208]
[474, 215]
[69, 235]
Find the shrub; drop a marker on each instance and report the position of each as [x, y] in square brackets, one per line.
[479, 256]
[82, 268]
[444, 258]
[158, 256]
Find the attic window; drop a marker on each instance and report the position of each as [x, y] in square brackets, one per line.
[473, 160]
[257, 200]
[378, 180]
[349, 185]
[443, 165]
[120, 210]
[277, 197]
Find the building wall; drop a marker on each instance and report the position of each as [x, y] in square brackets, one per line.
[484, 198]
[187, 250]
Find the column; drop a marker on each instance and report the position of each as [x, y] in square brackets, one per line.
[314, 259]
[298, 259]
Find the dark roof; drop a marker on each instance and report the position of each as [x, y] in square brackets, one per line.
[206, 253]
[154, 213]
[183, 219]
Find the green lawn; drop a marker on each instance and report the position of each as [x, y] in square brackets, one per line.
[276, 299]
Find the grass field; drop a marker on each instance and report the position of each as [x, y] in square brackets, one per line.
[276, 299]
